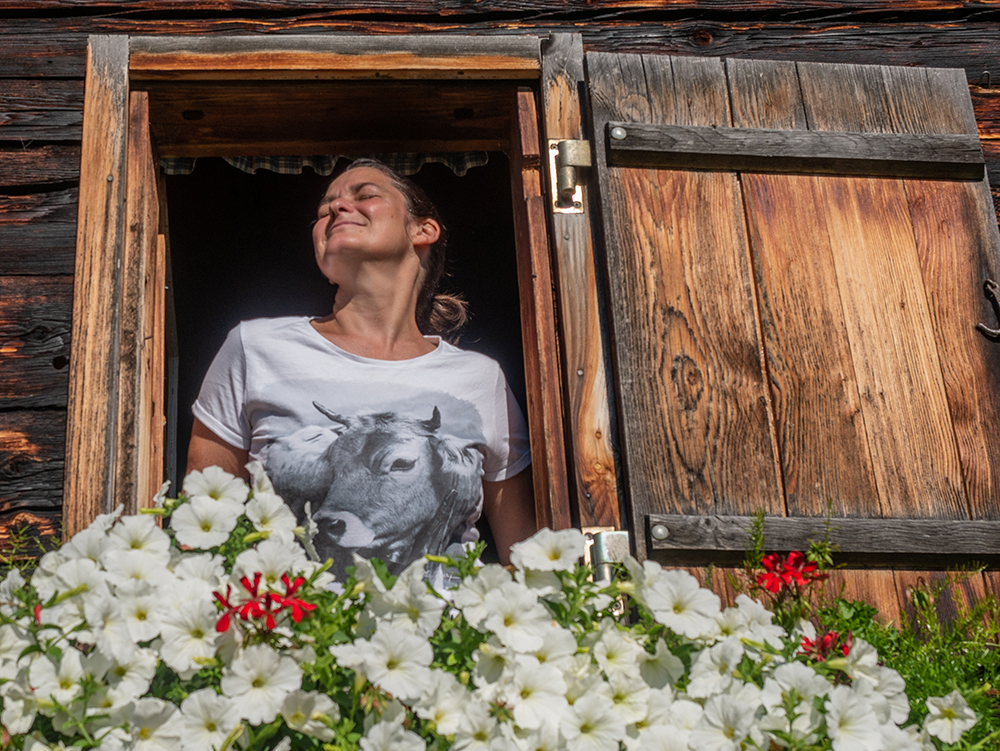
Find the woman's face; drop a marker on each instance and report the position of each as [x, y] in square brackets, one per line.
[362, 217]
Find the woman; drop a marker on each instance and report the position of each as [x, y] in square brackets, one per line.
[394, 440]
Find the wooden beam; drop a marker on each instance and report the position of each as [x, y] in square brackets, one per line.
[795, 151]
[352, 56]
[895, 543]
[92, 408]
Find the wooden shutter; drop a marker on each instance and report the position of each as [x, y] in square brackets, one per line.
[796, 257]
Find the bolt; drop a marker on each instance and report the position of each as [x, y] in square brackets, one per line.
[618, 133]
[660, 532]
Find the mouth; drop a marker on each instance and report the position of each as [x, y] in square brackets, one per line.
[331, 228]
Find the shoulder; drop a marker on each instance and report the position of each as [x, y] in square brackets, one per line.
[257, 327]
[467, 357]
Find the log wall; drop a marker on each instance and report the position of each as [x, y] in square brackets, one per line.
[42, 64]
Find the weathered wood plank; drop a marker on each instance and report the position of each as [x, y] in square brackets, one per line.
[153, 373]
[38, 165]
[337, 57]
[821, 435]
[538, 325]
[37, 232]
[31, 460]
[903, 398]
[34, 340]
[764, 150]
[693, 402]
[593, 465]
[201, 119]
[41, 110]
[91, 418]
[878, 542]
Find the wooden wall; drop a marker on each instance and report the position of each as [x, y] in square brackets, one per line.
[42, 60]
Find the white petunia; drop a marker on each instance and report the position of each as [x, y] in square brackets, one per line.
[895, 738]
[410, 601]
[724, 725]
[630, 695]
[189, 633]
[475, 728]
[310, 713]
[549, 551]
[259, 481]
[851, 722]
[797, 677]
[204, 523]
[536, 694]
[60, 683]
[675, 599]
[141, 533]
[616, 651]
[713, 670]
[491, 659]
[591, 725]
[110, 626]
[444, 703]
[542, 583]
[216, 483]
[759, 622]
[206, 720]
[558, 647]
[205, 567]
[124, 566]
[259, 680]
[129, 680]
[91, 543]
[271, 558]
[142, 609]
[13, 641]
[391, 736]
[471, 593]
[397, 660]
[661, 668]
[514, 614]
[948, 717]
[19, 705]
[152, 726]
[269, 513]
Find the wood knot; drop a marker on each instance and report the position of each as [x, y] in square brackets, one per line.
[688, 381]
[702, 37]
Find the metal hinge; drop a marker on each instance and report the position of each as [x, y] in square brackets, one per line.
[607, 548]
[564, 158]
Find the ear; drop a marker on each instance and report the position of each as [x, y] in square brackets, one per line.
[425, 232]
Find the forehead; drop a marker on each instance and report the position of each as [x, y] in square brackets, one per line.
[356, 178]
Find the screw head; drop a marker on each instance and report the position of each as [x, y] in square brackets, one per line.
[618, 133]
[659, 532]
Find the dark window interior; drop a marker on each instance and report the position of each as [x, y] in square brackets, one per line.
[240, 248]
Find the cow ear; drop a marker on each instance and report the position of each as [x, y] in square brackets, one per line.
[434, 423]
[344, 422]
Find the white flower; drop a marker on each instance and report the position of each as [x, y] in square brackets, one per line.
[258, 478]
[948, 717]
[662, 667]
[205, 567]
[391, 736]
[271, 558]
[189, 633]
[19, 705]
[514, 614]
[142, 609]
[898, 739]
[549, 551]
[259, 680]
[475, 728]
[410, 601]
[396, 660]
[269, 513]
[13, 641]
[91, 543]
[793, 676]
[124, 566]
[307, 534]
[630, 695]
[141, 533]
[204, 523]
[444, 702]
[759, 622]
[216, 483]
[491, 659]
[851, 722]
[161, 495]
[59, 683]
[725, 723]
[110, 626]
[536, 694]
[675, 598]
[152, 726]
[471, 593]
[129, 680]
[615, 651]
[862, 660]
[310, 713]
[712, 671]
[591, 725]
[206, 719]
[558, 647]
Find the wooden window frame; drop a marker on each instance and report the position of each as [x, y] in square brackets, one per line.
[114, 451]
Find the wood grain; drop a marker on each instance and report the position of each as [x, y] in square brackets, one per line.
[37, 232]
[693, 401]
[31, 461]
[904, 403]
[821, 433]
[873, 542]
[594, 476]
[34, 341]
[41, 110]
[153, 408]
[538, 325]
[766, 150]
[20, 167]
[92, 403]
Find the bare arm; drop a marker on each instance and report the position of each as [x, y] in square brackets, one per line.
[207, 449]
[510, 509]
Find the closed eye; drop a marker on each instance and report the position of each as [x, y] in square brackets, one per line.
[402, 465]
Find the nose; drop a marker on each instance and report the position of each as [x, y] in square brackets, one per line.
[340, 204]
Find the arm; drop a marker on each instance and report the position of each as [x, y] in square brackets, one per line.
[207, 449]
[509, 506]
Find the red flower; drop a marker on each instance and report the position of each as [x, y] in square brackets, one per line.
[823, 646]
[263, 606]
[38, 614]
[300, 608]
[780, 574]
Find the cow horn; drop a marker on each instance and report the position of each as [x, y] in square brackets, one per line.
[434, 423]
[332, 415]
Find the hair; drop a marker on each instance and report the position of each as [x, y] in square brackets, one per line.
[437, 313]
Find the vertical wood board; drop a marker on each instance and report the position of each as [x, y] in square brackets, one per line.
[594, 479]
[91, 418]
[820, 428]
[693, 402]
[541, 358]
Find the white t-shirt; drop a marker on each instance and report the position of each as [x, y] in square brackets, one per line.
[389, 454]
